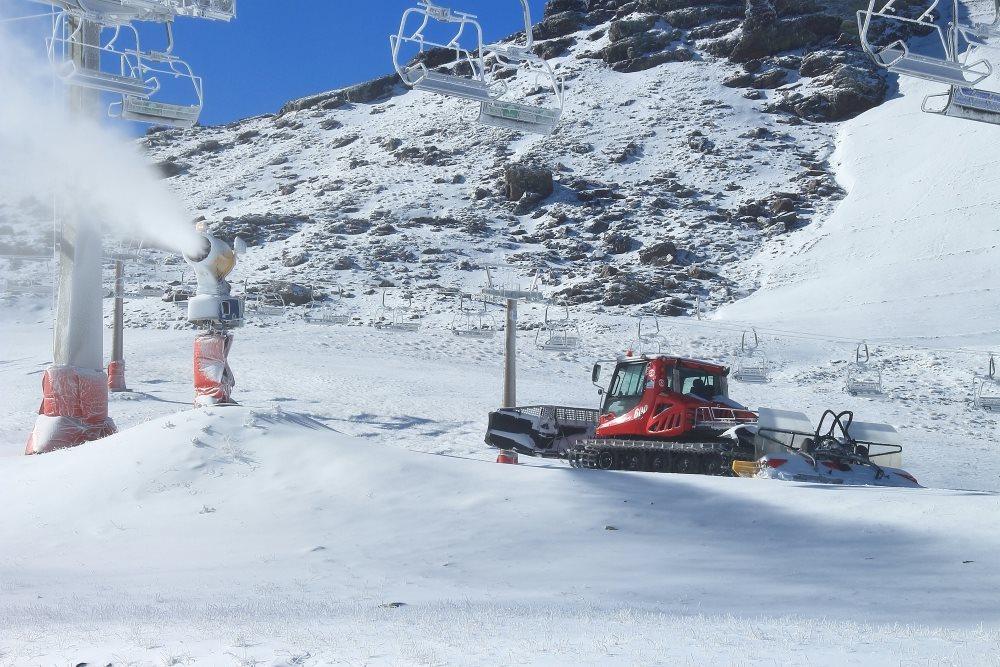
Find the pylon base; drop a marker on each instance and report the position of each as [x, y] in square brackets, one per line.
[74, 410]
[213, 378]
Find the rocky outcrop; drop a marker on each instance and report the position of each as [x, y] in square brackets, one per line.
[520, 179]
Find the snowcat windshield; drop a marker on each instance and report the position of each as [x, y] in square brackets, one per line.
[626, 389]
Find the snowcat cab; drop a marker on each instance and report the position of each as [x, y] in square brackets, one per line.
[659, 413]
[668, 397]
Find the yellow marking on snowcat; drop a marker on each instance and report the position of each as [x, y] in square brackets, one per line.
[746, 468]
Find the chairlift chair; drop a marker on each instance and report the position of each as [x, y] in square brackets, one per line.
[127, 81]
[396, 318]
[650, 340]
[112, 12]
[419, 76]
[986, 390]
[751, 364]
[557, 335]
[27, 287]
[472, 322]
[522, 58]
[316, 314]
[265, 303]
[964, 101]
[863, 377]
[501, 283]
[159, 65]
[897, 57]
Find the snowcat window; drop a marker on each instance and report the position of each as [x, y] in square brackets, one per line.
[626, 389]
[701, 384]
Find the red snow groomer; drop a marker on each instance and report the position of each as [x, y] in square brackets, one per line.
[659, 413]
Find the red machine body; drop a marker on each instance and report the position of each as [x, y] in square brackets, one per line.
[666, 397]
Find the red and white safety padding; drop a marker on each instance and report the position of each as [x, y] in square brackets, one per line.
[74, 409]
[213, 378]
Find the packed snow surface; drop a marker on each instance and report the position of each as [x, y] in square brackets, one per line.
[354, 477]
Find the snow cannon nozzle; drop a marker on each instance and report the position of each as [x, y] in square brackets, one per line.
[204, 248]
[214, 260]
[213, 306]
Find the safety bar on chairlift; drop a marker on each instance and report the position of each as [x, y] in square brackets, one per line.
[743, 341]
[857, 354]
[656, 321]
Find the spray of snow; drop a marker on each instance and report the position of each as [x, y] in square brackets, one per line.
[51, 156]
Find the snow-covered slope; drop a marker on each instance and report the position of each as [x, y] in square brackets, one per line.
[255, 531]
[912, 251]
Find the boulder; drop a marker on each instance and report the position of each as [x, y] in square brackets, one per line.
[658, 254]
[522, 178]
[559, 25]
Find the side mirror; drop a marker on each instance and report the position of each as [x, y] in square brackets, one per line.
[596, 373]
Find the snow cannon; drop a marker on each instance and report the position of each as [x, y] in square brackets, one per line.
[212, 306]
[216, 312]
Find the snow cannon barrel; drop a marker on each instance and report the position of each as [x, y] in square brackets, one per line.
[212, 305]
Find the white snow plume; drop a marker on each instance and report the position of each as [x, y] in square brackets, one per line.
[51, 156]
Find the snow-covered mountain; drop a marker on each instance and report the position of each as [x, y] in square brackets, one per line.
[665, 175]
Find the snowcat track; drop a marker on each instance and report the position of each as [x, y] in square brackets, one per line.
[697, 458]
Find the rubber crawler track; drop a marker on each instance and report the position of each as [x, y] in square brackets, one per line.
[697, 458]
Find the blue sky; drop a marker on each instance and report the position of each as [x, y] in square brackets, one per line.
[277, 50]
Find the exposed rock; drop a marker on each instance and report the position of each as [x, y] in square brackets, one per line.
[616, 243]
[553, 7]
[171, 167]
[554, 48]
[342, 263]
[257, 229]
[346, 140]
[372, 91]
[247, 137]
[283, 292]
[291, 259]
[522, 178]
[658, 254]
[764, 34]
[843, 93]
[559, 25]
